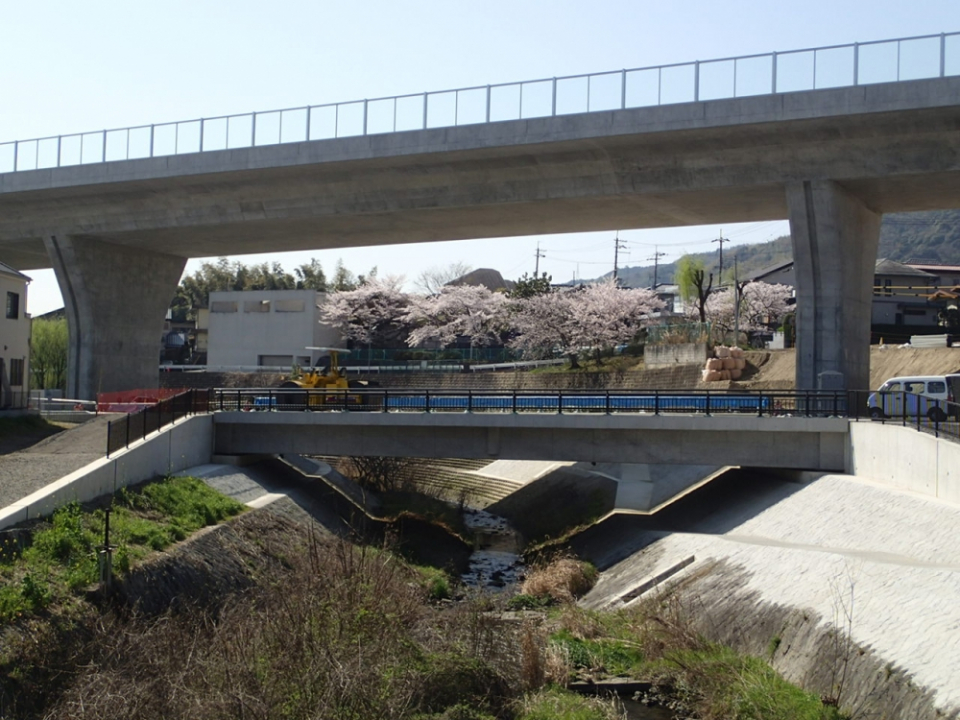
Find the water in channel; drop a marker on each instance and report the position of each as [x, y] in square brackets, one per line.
[495, 563]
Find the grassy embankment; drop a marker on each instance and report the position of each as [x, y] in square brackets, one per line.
[61, 555]
[332, 630]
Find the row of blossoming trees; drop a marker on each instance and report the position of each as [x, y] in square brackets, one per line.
[590, 317]
[539, 322]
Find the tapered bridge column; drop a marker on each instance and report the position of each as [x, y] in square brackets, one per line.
[835, 239]
[115, 299]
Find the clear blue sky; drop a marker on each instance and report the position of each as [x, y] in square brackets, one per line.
[68, 66]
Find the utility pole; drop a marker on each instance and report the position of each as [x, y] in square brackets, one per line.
[656, 261]
[618, 245]
[536, 267]
[721, 240]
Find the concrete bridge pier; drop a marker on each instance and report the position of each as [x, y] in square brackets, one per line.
[115, 299]
[835, 237]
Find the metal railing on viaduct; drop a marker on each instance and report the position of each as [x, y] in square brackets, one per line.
[901, 59]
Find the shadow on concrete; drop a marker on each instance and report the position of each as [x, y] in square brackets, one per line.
[716, 508]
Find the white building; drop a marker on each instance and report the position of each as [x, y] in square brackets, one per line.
[267, 328]
[14, 339]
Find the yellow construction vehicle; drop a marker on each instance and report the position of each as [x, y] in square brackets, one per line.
[328, 378]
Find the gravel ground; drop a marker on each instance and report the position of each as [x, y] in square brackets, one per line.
[26, 471]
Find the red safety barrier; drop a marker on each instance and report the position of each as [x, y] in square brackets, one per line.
[129, 401]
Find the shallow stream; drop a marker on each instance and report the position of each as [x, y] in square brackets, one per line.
[495, 563]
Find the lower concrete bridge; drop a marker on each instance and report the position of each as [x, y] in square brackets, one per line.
[812, 443]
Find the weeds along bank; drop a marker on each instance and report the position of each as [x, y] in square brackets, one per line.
[264, 617]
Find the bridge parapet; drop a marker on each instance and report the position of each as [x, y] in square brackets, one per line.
[850, 65]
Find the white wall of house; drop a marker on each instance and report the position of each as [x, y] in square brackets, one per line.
[14, 337]
[267, 327]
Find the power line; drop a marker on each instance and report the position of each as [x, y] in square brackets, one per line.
[656, 261]
[618, 245]
[721, 240]
[536, 267]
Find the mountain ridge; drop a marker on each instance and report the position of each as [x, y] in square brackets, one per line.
[923, 237]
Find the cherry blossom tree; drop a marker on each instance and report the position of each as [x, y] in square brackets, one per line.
[761, 305]
[470, 311]
[593, 317]
[372, 313]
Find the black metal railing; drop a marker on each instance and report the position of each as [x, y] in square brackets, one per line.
[938, 417]
[137, 425]
[656, 402]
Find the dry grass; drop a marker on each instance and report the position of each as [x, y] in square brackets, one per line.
[330, 631]
[563, 579]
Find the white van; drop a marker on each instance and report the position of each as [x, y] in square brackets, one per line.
[932, 396]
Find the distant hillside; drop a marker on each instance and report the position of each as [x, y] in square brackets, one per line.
[929, 237]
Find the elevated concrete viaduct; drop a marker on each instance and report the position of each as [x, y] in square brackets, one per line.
[787, 442]
[832, 161]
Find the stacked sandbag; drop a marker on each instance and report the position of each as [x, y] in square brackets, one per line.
[728, 364]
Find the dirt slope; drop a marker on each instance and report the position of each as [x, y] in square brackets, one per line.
[775, 369]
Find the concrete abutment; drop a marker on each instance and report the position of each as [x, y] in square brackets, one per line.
[115, 299]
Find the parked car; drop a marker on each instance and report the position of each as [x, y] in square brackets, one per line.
[931, 396]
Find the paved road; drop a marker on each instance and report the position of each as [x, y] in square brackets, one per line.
[26, 471]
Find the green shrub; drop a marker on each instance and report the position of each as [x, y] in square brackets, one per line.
[557, 704]
[525, 601]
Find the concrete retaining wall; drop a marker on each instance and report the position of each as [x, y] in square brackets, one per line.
[188, 443]
[681, 354]
[904, 458]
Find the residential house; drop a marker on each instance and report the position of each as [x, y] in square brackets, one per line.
[14, 339]
[901, 304]
[267, 328]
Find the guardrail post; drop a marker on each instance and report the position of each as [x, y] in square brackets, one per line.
[560, 402]
[365, 116]
[201, 133]
[707, 405]
[253, 129]
[553, 110]
[103, 147]
[696, 81]
[607, 408]
[425, 102]
[943, 54]
[16, 150]
[109, 435]
[760, 404]
[151, 140]
[514, 402]
[469, 401]
[488, 103]
[656, 402]
[773, 83]
[623, 89]
[426, 401]
[856, 64]
[59, 146]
